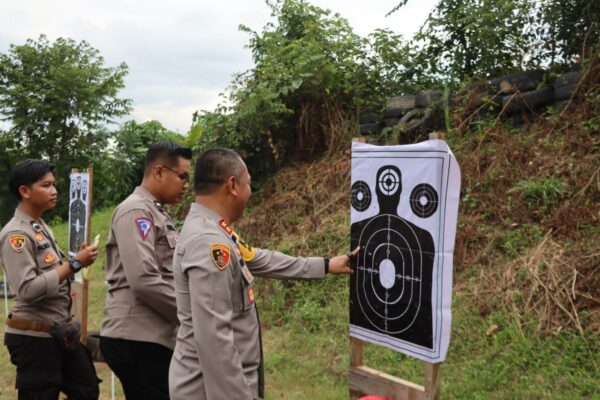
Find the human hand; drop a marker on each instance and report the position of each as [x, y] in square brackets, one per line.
[341, 264]
[87, 255]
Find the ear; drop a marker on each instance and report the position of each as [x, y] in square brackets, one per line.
[158, 172]
[232, 186]
[25, 192]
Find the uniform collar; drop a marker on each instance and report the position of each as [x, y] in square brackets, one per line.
[22, 215]
[147, 195]
[204, 211]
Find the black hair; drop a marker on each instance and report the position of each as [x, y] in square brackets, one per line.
[214, 167]
[27, 173]
[166, 152]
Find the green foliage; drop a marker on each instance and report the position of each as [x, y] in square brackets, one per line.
[541, 192]
[121, 167]
[57, 98]
[312, 76]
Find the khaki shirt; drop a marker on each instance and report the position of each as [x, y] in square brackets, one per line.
[217, 355]
[30, 255]
[140, 302]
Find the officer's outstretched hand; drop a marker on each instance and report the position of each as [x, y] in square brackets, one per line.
[341, 264]
[87, 255]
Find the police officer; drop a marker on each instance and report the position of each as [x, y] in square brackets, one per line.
[218, 354]
[140, 316]
[40, 277]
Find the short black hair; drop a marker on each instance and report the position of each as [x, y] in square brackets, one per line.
[166, 152]
[27, 173]
[214, 167]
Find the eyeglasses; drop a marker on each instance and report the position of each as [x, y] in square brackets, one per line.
[182, 176]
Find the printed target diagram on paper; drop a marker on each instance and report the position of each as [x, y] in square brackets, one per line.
[404, 205]
[79, 200]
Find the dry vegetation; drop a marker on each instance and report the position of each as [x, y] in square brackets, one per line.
[528, 232]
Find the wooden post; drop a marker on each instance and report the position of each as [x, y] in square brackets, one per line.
[432, 381]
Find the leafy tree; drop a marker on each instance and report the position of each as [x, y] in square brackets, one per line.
[311, 78]
[56, 99]
[119, 169]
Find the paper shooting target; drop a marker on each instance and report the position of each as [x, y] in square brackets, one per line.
[424, 200]
[400, 291]
[361, 196]
[78, 210]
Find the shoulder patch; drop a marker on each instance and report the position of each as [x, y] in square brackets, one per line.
[144, 225]
[221, 255]
[17, 242]
[225, 227]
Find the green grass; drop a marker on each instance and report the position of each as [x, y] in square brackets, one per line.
[305, 331]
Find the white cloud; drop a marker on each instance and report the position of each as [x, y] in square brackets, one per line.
[180, 53]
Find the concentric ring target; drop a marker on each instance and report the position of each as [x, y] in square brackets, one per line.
[390, 247]
[361, 196]
[424, 200]
[389, 181]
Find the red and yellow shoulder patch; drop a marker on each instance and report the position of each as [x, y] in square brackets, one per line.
[17, 242]
[221, 255]
[225, 227]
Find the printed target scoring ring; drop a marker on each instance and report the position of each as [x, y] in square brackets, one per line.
[389, 182]
[361, 196]
[389, 274]
[424, 200]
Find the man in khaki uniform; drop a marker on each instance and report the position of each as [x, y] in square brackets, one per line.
[140, 316]
[218, 350]
[41, 279]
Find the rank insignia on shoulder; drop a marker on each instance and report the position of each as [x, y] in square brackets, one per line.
[158, 205]
[247, 251]
[39, 237]
[49, 258]
[225, 227]
[144, 225]
[36, 227]
[221, 255]
[17, 242]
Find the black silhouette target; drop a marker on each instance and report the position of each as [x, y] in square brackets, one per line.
[361, 196]
[389, 272]
[391, 284]
[424, 200]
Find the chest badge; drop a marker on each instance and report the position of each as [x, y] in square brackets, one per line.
[17, 242]
[251, 294]
[49, 258]
[144, 225]
[221, 255]
[39, 237]
[36, 227]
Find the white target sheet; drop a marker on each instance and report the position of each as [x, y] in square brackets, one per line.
[79, 206]
[404, 207]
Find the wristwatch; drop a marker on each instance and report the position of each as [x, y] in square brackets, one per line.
[75, 265]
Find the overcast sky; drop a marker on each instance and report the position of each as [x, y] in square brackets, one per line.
[181, 53]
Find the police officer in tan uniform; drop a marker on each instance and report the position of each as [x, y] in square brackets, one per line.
[140, 316]
[218, 354]
[42, 341]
